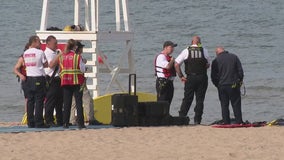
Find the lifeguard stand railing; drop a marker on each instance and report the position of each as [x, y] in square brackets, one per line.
[93, 35]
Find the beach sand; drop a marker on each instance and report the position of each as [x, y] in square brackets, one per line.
[146, 143]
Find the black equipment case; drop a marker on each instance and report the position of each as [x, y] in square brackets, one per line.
[154, 113]
[124, 107]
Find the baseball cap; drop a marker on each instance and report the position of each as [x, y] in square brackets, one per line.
[79, 44]
[169, 43]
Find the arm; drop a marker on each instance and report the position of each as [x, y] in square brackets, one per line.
[44, 60]
[171, 63]
[17, 67]
[240, 70]
[55, 61]
[179, 60]
[206, 55]
[179, 72]
[82, 65]
[215, 73]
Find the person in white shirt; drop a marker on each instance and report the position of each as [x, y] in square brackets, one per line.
[165, 72]
[54, 95]
[197, 62]
[35, 62]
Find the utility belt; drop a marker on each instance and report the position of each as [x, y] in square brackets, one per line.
[165, 79]
[196, 74]
[36, 78]
[56, 78]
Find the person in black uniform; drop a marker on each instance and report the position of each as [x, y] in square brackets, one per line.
[54, 95]
[165, 72]
[227, 75]
[196, 61]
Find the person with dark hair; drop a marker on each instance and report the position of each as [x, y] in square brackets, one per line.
[72, 71]
[54, 95]
[35, 62]
[20, 71]
[88, 103]
[196, 60]
[165, 72]
[227, 75]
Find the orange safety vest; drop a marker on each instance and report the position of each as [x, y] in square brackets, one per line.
[70, 72]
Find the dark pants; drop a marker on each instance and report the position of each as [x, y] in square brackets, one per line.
[165, 90]
[35, 94]
[68, 92]
[54, 99]
[228, 94]
[195, 84]
[24, 85]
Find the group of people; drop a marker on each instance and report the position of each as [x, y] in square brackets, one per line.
[226, 74]
[50, 79]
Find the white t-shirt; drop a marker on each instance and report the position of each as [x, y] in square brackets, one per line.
[161, 62]
[82, 66]
[50, 55]
[184, 55]
[34, 60]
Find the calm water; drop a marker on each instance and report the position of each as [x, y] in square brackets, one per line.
[252, 29]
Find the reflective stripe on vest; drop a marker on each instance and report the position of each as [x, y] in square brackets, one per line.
[70, 71]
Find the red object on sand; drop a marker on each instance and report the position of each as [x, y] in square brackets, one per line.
[236, 125]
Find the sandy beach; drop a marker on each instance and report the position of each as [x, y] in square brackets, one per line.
[182, 143]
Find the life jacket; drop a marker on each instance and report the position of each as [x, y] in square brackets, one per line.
[196, 61]
[22, 70]
[70, 72]
[167, 72]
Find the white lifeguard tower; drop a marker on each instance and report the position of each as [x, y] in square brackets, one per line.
[92, 33]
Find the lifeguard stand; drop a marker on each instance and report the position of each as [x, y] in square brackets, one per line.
[93, 35]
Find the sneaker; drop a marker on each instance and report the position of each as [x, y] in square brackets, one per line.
[197, 123]
[52, 124]
[81, 126]
[65, 125]
[95, 122]
[31, 126]
[42, 126]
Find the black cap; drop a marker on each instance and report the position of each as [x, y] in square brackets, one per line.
[169, 43]
[79, 44]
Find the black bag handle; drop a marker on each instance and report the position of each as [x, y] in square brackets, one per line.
[134, 81]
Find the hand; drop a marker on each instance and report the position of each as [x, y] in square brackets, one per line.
[22, 77]
[84, 60]
[207, 65]
[183, 79]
